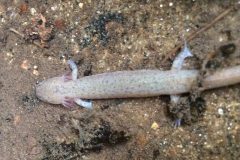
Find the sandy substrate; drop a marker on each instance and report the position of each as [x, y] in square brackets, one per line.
[104, 36]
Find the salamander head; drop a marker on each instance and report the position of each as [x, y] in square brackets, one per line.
[51, 90]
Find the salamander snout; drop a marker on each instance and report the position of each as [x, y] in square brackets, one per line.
[41, 91]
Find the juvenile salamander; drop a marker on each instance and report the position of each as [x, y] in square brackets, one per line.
[68, 89]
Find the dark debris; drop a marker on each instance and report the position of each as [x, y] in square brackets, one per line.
[92, 138]
[227, 49]
[156, 154]
[101, 135]
[98, 28]
[213, 64]
[54, 151]
[188, 110]
[41, 30]
[198, 107]
[105, 135]
[29, 101]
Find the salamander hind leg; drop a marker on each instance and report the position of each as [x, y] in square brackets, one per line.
[177, 65]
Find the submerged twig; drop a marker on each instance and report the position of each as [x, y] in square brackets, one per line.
[22, 36]
[196, 33]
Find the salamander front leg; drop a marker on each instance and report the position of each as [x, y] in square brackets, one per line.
[74, 72]
[69, 102]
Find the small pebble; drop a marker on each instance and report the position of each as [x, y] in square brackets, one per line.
[179, 146]
[154, 126]
[33, 11]
[9, 54]
[80, 5]
[54, 8]
[25, 65]
[35, 72]
[220, 111]
[220, 39]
